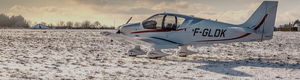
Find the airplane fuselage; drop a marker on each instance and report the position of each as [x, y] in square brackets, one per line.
[194, 31]
[169, 30]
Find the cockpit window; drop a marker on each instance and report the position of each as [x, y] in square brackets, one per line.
[180, 21]
[163, 22]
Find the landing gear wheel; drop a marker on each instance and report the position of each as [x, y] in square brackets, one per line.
[184, 52]
[132, 55]
[182, 55]
[135, 51]
[155, 54]
[154, 57]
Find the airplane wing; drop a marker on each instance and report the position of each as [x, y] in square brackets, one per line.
[159, 43]
[155, 42]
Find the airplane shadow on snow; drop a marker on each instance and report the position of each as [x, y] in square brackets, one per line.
[227, 67]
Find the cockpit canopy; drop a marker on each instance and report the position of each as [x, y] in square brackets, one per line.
[163, 22]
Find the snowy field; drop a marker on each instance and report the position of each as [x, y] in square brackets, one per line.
[85, 54]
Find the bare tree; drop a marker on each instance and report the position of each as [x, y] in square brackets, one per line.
[4, 20]
[19, 21]
[86, 24]
[12, 21]
[29, 23]
[69, 24]
[51, 25]
[97, 24]
[43, 23]
[62, 23]
[77, 24]
[92, 26]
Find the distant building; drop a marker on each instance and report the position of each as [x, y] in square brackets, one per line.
[39, 26]
[298, 26]
[289, 27]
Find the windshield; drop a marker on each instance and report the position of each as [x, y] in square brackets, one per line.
[154, 22]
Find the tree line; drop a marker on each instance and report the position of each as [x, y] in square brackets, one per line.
[290, 24]
[77, 25]
[289, 27]
[13, 21]
[17, 22]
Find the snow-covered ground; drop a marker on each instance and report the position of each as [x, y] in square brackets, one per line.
[85, 54]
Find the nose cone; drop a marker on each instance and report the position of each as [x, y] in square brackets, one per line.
[118, 32]
[121, 29]
[127, 29]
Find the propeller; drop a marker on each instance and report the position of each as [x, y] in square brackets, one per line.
[118, 32]
[129, 20]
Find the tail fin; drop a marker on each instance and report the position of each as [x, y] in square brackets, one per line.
[263, 19]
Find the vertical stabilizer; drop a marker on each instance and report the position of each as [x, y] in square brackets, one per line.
[263, 19]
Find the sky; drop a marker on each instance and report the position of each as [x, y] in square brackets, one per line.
[117, 12]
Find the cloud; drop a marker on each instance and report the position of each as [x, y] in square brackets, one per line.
[143, 6]
[284, 17]
[22, 9]
[118, 11]
[238, 16]
[295, 12]
[137, 11]
[51, 14]
[110, 10]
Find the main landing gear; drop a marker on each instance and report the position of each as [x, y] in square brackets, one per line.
[184, 52]
[157, 53]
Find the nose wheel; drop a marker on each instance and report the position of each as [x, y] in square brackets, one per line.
[135, 51]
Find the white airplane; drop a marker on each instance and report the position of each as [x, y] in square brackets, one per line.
[169, 30]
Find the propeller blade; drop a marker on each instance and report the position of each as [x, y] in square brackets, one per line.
[129, 20]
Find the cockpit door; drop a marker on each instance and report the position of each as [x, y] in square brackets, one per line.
[179, 32]
[170, 23]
